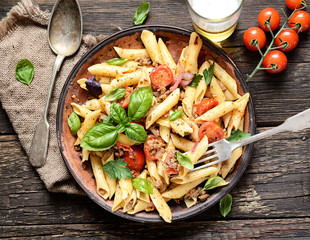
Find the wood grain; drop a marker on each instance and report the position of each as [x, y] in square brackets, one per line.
[270, 201]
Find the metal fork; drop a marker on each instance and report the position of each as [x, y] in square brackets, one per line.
[222, 150]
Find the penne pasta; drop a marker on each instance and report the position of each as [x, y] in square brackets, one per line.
[149, 40]
[195, 44]
[131, 54]
[166, 56]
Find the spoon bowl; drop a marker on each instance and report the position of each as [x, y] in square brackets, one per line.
[64, 38]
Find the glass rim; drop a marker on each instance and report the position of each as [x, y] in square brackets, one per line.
[215, 19]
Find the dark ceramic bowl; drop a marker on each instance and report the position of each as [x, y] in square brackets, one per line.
[175, 39]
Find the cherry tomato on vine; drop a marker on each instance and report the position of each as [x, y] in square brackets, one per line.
[254, 34]
[161, 76]
[294, 4]
[275, 59]
[300, 18]
[271, 15]
[290, 37]
[136, 162]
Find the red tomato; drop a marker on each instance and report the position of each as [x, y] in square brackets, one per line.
[149, 147]
[288, 36]
[269, 14]
[277, 59]
[212, 130]
[254, 34]
[136, 162]
[161, 76]
[124, 102]
[168, 170]
[205, 105]
[292, 4]
[302, 19]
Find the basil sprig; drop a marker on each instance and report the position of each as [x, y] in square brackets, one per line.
[213, 183]
[238, 135]
[115, 94]
[177, 114]
[104, 135]
[208, 74]
[185, 161]
[117, 169]
[141, 13]
[195, 81]
[74, 123]
[116, 61]
[24, 71]
[225, 205]
[143, 185]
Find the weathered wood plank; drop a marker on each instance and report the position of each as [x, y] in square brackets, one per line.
[297, 228]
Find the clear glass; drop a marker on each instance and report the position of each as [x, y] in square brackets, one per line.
[211, 22]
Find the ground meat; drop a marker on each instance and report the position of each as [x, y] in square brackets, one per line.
[156, 147]
[154, 131]
[161, 94]
[172, 163]
[197, 193]
[144, 61]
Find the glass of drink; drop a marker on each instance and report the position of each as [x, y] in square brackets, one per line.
[215, 19]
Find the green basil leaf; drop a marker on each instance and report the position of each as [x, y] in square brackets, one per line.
[208, 74]
[120, 128]
[238, 135]
[107, 120]
[195, 81]
[213, 183]
[185, 161]
[24, 71]
[115, 94]
[143, 185]
[118, 113]
[140, 102]
[116, 61]
[225, 205]
[136, 133]
[74, 123]
[100, 137]
[141, 13]
[174, 116]
[117, 169]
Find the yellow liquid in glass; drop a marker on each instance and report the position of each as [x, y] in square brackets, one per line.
[216, 36]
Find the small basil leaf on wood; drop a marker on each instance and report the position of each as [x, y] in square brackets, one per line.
[117, 169]
[225, 205]
[115, 94]
[116, 61]
[143, 185]
[136, 133]
[238, 135]
[74, 123]
[118, 113]
[213, 183]
[140, 102]
[208, 74]
[185, 161]
[141, 13]
[100, 137]
[24, 71]
[177, 114]
[195, 81]
[93, 86]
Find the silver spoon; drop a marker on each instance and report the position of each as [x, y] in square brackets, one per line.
[64, 38]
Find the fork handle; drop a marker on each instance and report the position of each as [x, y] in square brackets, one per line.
[295, 123]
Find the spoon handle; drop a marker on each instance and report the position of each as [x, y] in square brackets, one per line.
[39, 144]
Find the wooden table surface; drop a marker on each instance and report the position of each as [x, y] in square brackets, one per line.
[272, 200]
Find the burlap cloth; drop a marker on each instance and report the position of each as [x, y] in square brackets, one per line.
[23, 34]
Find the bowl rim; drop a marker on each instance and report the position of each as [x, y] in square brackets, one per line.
[215, 197]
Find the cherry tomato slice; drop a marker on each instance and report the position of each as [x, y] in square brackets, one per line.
[124, 102]
[205, 105]
[136, 162]
[161, 76]
[301, 18]
[212, 130]
[252, 34]
[275, 59]
[151, 147]
[292, 4]
[290, 37]
[269, 14]
[171, 156]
